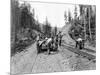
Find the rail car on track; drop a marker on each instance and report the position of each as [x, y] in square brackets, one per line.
[47, 44]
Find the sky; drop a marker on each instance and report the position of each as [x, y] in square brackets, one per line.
[53, 12]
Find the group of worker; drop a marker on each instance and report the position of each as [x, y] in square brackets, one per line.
[49, 43]
[52, 43]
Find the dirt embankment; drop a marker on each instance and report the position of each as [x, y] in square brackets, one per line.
[23, 61]
[67, 39]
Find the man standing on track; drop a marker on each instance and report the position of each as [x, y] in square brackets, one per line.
[80, 43]
[60, 39]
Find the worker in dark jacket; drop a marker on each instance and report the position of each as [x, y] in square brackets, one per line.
[80, 43]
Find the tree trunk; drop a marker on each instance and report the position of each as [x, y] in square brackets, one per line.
[89, 25]
[84, 28]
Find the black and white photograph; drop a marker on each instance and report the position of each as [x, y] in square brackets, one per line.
[51, 37]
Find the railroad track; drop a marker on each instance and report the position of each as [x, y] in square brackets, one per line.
[81, 53]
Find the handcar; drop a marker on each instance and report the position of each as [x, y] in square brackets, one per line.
[46, 45]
